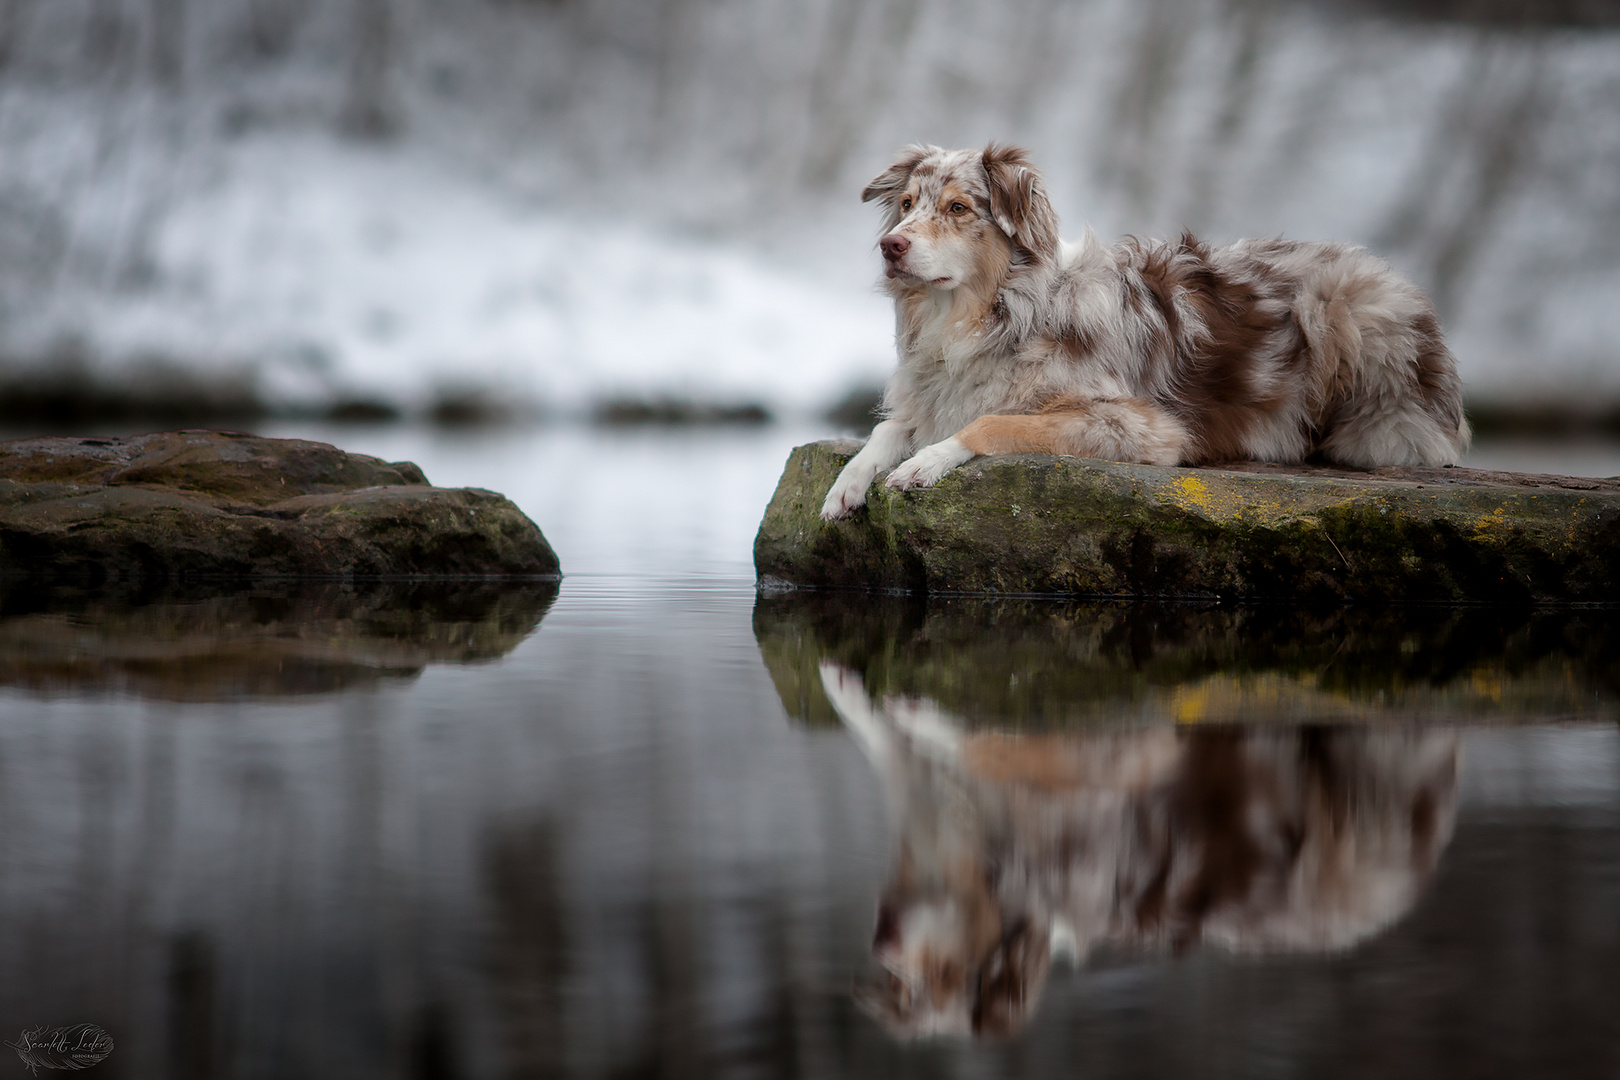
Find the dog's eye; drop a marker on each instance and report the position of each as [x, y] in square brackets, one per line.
[958, 208]
[905, 203]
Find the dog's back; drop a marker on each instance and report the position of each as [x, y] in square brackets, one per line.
[1278, 349]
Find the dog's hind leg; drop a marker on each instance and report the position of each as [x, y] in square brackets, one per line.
[1113, 429]
[1375, 433]
[1394, 396]
[1404, 406]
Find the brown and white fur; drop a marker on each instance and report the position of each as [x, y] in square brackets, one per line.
[1012, 850]
[1161, 352]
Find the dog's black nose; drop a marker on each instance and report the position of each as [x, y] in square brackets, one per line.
[894, 245]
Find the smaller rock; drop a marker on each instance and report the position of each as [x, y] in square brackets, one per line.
[184, 505]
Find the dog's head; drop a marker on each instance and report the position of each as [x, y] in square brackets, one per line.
[953, 966]
[953, 216]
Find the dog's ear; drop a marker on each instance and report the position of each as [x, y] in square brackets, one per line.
[891, 182]
[1011, 978]
[1018, 201]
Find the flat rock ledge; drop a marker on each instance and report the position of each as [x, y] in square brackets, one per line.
[1035, 523]
[186, 505]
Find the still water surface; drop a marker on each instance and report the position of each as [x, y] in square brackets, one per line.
[646, 822]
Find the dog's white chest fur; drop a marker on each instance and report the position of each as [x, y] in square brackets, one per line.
[947, 378]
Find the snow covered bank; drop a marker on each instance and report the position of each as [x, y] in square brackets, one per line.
[334, 272]
[400, 204]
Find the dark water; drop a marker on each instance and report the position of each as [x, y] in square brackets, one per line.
[623, 829]
[643, 824]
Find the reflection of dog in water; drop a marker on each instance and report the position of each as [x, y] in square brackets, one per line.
[1014, 848]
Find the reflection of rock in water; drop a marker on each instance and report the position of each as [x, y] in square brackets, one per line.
[194, 1024]
[529, 959]
[1013, 848]
[1061, 663]
[295, 639]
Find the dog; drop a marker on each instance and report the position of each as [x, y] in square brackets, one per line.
[1163, 352]
[1012, 850]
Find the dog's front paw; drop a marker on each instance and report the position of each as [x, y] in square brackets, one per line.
[848, 494]
[929, 464]
[840, 682]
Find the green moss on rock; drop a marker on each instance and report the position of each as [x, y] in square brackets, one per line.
[1034, 524]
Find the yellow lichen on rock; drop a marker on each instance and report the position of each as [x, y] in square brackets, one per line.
[1196, 496]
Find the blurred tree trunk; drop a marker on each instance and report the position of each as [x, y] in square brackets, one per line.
[854, 77]
[104, 30]
[1139, 138]
[1482, 146]
[168, 41]
[272, 25]
[370, 111]
[1251, 24]
[11, 26]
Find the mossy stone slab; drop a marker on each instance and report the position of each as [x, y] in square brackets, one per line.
[1036, 523]
[183, 505]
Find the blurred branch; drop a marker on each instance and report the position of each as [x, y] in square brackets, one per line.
[1507, 14]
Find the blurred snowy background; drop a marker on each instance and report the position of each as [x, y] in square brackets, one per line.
[460, 208]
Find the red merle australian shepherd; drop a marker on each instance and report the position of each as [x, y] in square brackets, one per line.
[1167, 353]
